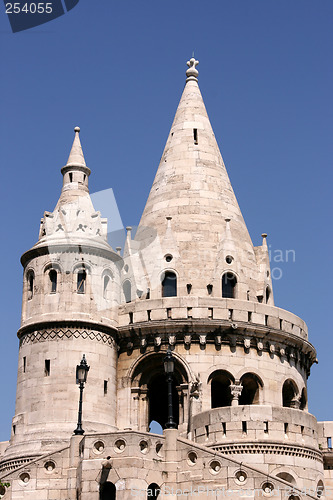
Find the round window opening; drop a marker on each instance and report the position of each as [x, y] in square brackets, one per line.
[2, 490]
[168, 257]
[267, 488]
[119, 445]
[143, 446]
[49, 466]
[25, 478]
[126, 268]
[241, 476]
[99, 446]
[215, 467]
[192, 458]
[229, 259]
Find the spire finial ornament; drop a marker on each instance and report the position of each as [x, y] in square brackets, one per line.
[192, 72]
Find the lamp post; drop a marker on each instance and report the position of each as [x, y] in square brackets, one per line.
[81, 377]
[169, 368]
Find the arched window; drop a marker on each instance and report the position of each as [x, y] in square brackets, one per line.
[229, 282]
[251, 387]
[153, 491]
[53, 276]
[127, 289]
[107, 279]
[107, 491]
[289, 393]
[287, 477]
[320, 489]
[81, 281]
[169, 284]
[220, 388]
[268, 294]
[30, 280]
[303, 399]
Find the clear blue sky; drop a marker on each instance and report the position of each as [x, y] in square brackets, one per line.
[116, 69]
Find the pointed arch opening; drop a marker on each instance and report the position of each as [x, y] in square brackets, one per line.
[286, 477]
[229, 282]
[289, 394]
[220, 382]
[169, 284]
[108, 491]
[304, 399]
[250, 394]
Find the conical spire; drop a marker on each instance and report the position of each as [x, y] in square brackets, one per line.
[192, 186]
[76, 157]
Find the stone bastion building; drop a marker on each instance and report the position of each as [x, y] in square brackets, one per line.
[190, 281]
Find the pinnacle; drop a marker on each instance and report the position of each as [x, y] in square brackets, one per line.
[76, 157]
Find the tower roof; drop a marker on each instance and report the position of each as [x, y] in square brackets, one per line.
[192, 186]
[76, 157]
[74, 219]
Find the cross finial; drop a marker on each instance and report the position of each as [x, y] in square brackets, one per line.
[192, 72]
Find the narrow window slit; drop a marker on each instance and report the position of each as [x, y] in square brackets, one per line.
[210, 312]
[130, 316]
[169, 313]
[244, 427]
[148, 315]
[249, 316]
[105, 387]
[195, 135]
[266, 427]
[24, 364]
[47, 370]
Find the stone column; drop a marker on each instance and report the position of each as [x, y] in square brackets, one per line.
[236, 391]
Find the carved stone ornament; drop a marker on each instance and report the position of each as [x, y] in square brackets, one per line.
[187, 339]
[129, 346]
[202, 339]
[282, 352]
[172, 339]
[157, 341]
[272, 348]
[260, 346]
[218, 340]
[143, 342]
[247, 343]
[236, 390]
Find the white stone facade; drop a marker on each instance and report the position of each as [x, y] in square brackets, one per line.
[192, 282]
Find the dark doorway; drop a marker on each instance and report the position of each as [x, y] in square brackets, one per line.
[289, 392]
[107, 491]
[158, 400]
[153, 491]
[250, 391]
[229, 282]
[169, 285]
[220, 390]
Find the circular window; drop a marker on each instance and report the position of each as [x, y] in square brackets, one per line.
[267, 488]
[159, 448]
[240, 477]
[49, 466]
[126, 268]
[99, 447]
[143, 446]
[192, 458]
[229, 259]
[215, 467]
[119, 445]
[168, 257]
[24, 477]
[2, 490]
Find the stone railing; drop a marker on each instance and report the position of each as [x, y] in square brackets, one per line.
[197, 308]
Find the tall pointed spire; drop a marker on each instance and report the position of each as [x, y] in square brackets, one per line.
[192, 186]
[76, 157]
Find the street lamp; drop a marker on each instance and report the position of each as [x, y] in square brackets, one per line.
[81, 377]
[169, 368]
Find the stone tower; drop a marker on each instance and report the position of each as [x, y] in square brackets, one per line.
[70, 306]
[190, 282]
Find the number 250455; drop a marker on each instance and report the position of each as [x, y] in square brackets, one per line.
[32, 8]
